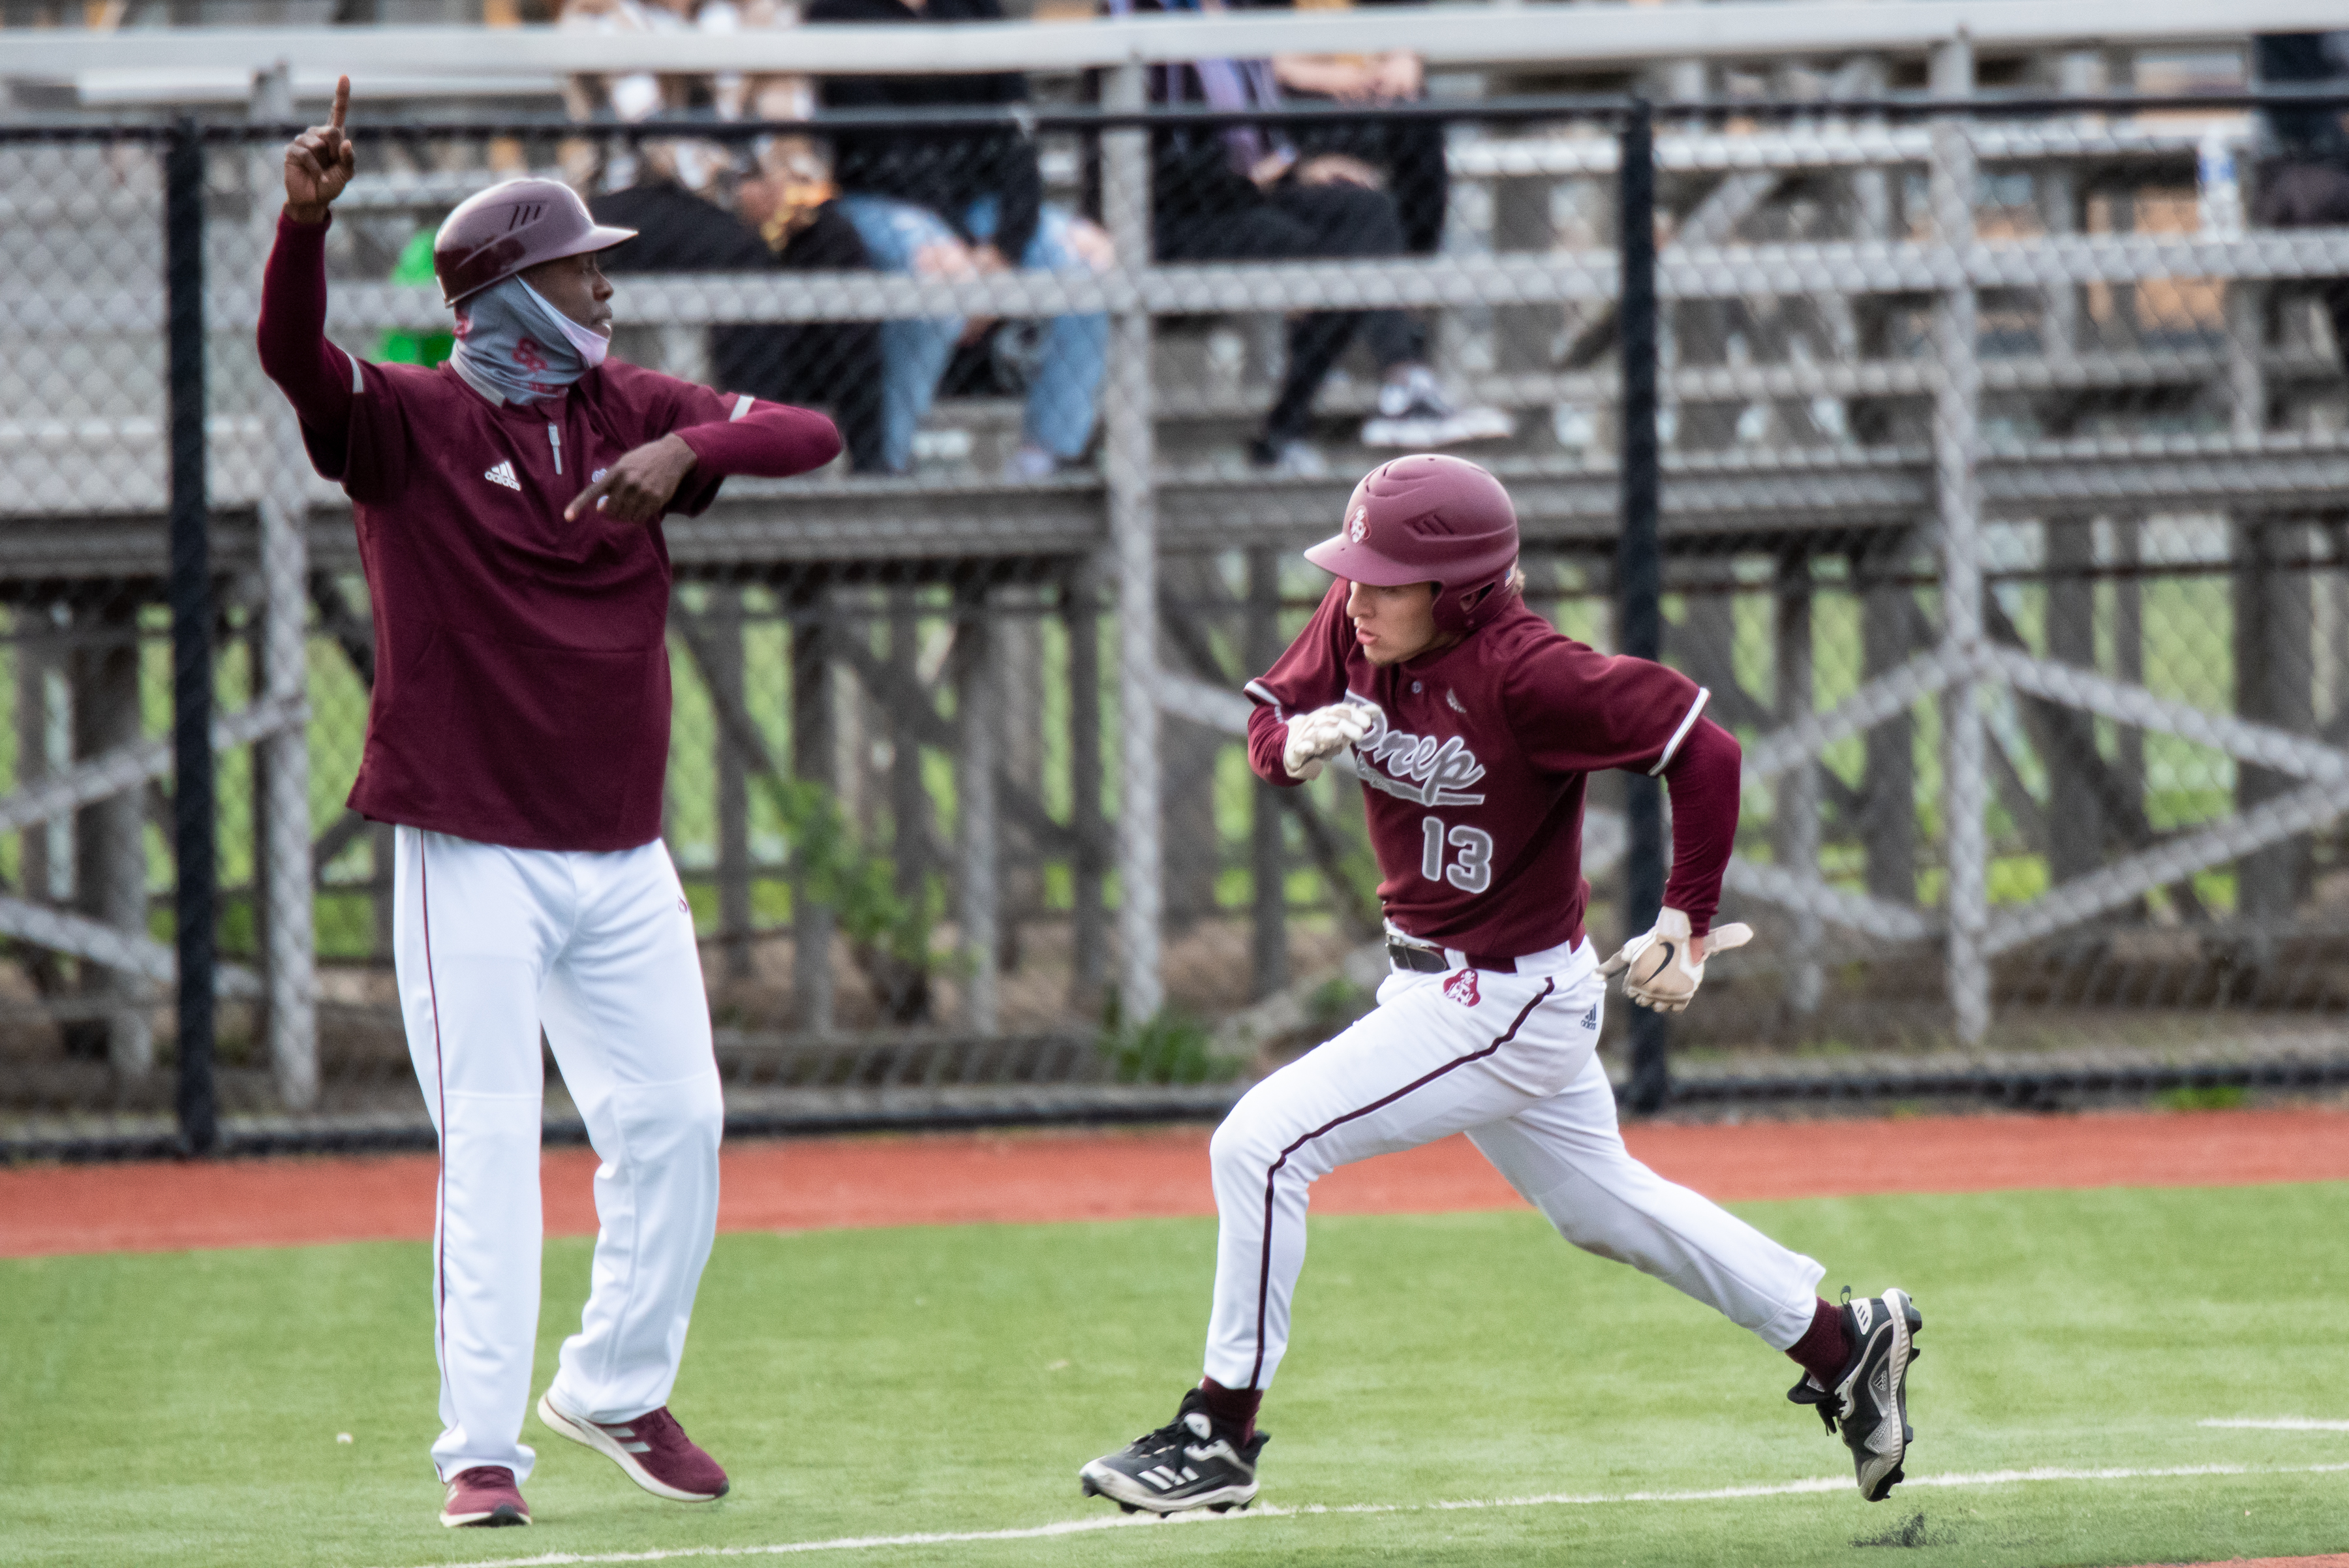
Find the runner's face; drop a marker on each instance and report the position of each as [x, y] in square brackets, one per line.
[576, 287]
[1393, 624]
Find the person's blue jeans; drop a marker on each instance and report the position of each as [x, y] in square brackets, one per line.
[1061, 392]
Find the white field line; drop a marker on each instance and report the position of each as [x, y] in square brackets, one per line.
[1549, 1499]
[2282, 1423]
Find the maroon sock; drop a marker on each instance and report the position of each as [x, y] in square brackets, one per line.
[1232, 1406]
[1824, 1349]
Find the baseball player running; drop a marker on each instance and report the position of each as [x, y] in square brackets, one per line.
[508, 507]
[1474, 727]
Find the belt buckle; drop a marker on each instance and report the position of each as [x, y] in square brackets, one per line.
[1417, 957]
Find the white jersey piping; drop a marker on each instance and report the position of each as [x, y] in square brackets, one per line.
[1703, 695]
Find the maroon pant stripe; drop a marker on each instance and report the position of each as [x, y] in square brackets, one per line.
[1264, 1268]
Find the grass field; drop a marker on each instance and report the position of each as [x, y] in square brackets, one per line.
[184, 1408]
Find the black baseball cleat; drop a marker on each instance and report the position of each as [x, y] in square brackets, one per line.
[1870, 1400]
[1193, 1461]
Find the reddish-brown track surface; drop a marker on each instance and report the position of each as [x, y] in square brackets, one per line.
[966, 1178]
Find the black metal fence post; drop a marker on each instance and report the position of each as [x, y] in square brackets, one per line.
[1639, 562]
[192, 651]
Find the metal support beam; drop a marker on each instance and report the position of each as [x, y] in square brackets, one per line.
[1268, 864]
[1638, 563]
[977, 709]
[1795, 828]
[1080, 612]
[286, 922]
[723, 667]
[1958, 497]
[1134, 543]
[191, 652]
[110, 832]
[812, 760]
[1888, 812]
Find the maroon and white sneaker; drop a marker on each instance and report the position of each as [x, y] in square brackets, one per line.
[651, 1448]
[484, 1495]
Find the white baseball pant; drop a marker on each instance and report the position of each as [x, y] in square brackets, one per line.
[491, 944]
[1512, 1061]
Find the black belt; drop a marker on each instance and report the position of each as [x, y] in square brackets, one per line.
[1430, 961]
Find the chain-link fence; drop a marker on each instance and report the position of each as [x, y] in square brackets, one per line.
[1994, 495]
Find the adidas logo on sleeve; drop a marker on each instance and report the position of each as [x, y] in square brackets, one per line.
[503, 474]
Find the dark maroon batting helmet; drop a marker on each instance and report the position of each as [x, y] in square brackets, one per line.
[1430, 518]
[495, 234]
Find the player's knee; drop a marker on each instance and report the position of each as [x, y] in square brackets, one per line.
[705, 1116]
[1599, 1242]
[1588, 1217]
[1242, 1146]
[669, 1122]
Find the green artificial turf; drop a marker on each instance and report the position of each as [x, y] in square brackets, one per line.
[184, 1408]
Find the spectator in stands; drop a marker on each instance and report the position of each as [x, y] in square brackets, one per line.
[1244, 192]
[632, 98]
[960, 204]
[2304, 180]
[1407, 153]
[831, 365]
[676, 192]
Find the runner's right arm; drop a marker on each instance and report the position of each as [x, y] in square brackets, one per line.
[1311, 675]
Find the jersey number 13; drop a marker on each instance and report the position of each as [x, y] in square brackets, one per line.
[1472, 872]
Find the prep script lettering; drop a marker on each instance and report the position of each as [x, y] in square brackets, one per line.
[1419, 768]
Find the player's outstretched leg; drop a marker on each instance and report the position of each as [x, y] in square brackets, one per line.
[1870, 1400]
[1565, 1154]
[1193, 1461]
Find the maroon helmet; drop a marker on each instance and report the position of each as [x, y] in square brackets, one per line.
[1430, 518]
[495, 234]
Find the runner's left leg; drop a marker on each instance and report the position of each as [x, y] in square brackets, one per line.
[1565, 1154]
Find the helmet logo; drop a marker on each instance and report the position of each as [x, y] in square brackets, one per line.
[1358, 528]
[520, 216]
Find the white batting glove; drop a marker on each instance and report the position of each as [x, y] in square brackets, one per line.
[1315, 737]
[1655, 967]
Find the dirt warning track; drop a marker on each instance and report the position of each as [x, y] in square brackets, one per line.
[815, 1184]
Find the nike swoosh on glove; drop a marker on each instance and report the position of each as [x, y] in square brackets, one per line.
[1315, 737]
[1655, 967]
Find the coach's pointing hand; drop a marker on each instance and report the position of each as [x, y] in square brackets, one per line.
[636, 488]
[319, 163]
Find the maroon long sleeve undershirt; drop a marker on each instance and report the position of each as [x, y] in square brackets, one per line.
[315, 375]
[1702, 781]
[772, 441]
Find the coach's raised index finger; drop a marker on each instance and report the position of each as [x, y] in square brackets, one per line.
[342, 102]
